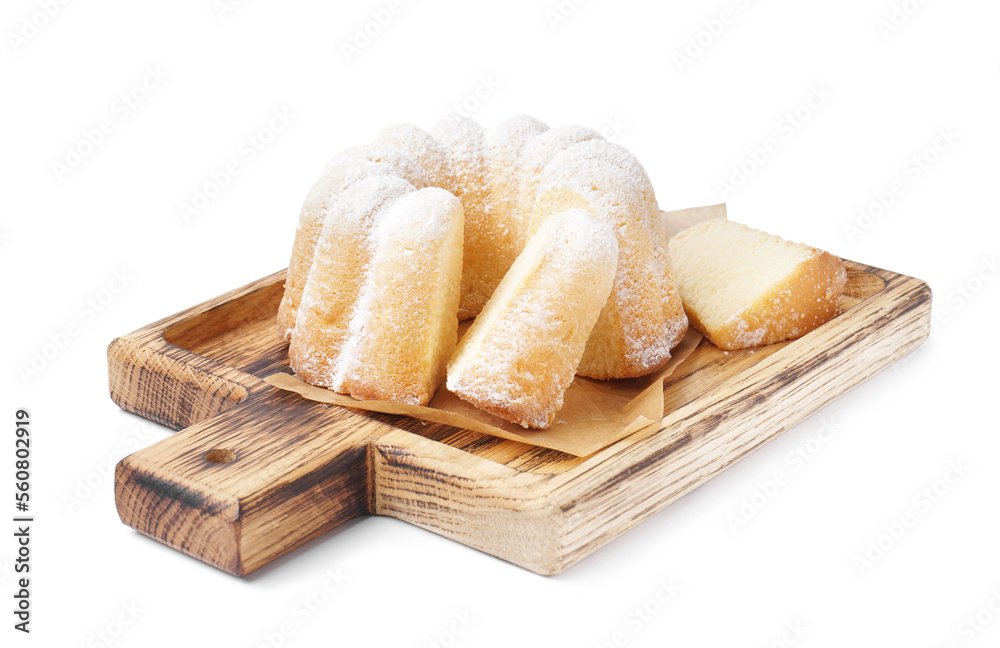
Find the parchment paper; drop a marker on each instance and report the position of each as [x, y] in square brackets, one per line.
[595, 413]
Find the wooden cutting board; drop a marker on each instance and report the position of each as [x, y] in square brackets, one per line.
[255, 471]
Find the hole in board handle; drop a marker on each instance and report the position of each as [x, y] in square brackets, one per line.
[220, 456]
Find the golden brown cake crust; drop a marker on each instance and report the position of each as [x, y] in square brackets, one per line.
[744, 288]
[806, 300]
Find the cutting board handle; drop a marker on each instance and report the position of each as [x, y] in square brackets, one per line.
[251, 483]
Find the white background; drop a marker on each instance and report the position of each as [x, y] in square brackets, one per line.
[610, 65]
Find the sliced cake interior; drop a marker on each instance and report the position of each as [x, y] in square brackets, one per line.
[743, 288]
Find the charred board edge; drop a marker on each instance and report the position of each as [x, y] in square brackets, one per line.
[730, 423]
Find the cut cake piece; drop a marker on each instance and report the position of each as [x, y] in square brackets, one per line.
[744, 288]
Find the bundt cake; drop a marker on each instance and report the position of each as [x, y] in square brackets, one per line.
[510, 180]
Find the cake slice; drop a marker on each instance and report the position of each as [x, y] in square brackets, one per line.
[336, 277]
[744, 288]
[521, 354]
[405, 324]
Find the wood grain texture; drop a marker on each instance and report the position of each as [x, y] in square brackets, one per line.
[301, 468]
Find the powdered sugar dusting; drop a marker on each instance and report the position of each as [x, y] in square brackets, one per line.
[405, 166]
[419, 146]
[635, 332]
[465, 141]
[499, 175]
[537, 155]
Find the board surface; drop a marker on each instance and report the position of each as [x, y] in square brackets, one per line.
[255, 472]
